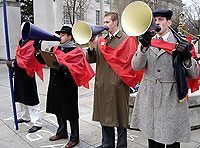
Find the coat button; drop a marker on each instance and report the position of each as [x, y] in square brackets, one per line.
[158, 70]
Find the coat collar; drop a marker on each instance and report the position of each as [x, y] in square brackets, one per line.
[170, 39]
[118, 35]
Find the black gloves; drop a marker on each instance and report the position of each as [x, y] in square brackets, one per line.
[10, 63]
[37, 45]
[145, 39]
[184, 48]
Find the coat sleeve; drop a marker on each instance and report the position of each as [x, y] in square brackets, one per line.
[139, 60]
[193, 70]
[91, 55]
[39, 58]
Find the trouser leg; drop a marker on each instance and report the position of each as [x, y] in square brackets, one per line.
[122, 137]
[174, 145]
[35, 115]
[62, 129]
[74, 125]
[154, 144]
[24, 112]
[108, 137]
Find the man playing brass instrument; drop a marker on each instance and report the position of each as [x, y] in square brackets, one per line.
[160, 110]
[113, 56]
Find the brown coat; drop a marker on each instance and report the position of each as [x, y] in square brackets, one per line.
[111, 94]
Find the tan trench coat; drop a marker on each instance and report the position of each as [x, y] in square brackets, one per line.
[111, 94]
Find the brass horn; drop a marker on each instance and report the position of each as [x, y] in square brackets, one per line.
[181, 26]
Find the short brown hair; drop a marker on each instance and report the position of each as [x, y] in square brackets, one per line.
[114, 16]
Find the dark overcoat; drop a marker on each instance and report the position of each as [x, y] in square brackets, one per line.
[25, 88]
[62, 95]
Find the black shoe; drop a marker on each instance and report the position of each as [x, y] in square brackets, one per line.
[20, 120]
[56, 137]
[71, 144]
[34, 129]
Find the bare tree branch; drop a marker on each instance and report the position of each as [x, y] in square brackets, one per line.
[192, 13]
[76, 9]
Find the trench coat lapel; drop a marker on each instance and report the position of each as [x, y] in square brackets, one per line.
[160, 53]
[170, 39]
[155, 49]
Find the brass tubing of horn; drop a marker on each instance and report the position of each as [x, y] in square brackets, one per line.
[189, 33]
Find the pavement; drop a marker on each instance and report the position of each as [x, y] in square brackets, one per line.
[90, 131]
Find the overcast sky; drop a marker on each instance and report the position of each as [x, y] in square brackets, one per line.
[187, 2]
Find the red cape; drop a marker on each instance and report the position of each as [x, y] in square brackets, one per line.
[25, 57]
[77, 64]
[169, 47]
[193, 82]
[119, 59]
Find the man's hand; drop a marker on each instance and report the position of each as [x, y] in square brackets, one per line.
[145, 39]
[37, 45]
[184, 49]
[10, 63]
[92, 43]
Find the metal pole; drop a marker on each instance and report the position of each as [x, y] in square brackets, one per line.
[9, 69]
[101, 11]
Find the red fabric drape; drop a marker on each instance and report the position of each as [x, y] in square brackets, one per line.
[119, 59]
[77, 64]
[193, 82]
[25, 57]
[169, 47]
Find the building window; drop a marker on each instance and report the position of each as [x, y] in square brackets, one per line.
[66, 21]
[65, 17]
[97, 17]
[107, 2]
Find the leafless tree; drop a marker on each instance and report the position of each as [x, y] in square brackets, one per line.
[192, 14]
[75, 9]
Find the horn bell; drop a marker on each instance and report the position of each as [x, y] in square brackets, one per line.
[136, 18]
[82, 31]
[32, 32]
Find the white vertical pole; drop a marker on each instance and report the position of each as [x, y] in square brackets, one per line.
[101, 11]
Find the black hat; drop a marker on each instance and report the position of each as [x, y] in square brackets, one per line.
[163, 13]
[65, 29]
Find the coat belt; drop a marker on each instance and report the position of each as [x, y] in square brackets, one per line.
[161, 80]
[158, 84]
